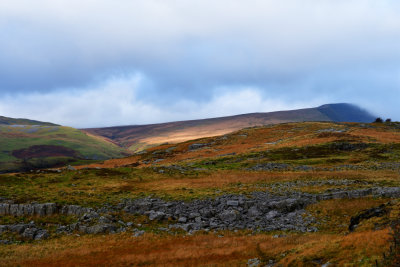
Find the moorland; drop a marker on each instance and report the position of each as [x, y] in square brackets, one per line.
[288, 194]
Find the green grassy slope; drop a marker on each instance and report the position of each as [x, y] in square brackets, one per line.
[35, 146]
[12, 121]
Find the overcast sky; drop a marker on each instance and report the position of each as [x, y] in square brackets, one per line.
[88, 63]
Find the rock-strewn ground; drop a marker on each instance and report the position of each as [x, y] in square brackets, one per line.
[260, 211]
[291, 194]
[271, 166]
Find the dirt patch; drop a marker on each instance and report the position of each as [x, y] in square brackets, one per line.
[40, 151]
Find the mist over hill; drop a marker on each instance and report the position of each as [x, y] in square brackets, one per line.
[344, 112]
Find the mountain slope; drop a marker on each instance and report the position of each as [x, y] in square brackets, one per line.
[345, 113]
[25, 147]
[297, 142]
[139, 137]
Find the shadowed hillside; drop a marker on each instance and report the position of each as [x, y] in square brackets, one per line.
[345, 113]
[139, 137]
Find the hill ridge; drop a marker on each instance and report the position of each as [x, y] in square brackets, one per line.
[139, 137]
[22, 121]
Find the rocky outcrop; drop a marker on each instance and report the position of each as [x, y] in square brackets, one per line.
[74, 210]
[27, 231]
[197, 146]
[28, 209]
[260, 211]
[46, 209]
[93, 223]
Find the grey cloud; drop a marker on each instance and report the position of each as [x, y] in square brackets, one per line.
[188, 50]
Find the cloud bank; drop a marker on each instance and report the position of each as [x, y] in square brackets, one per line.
[143, 61]
[115, 102]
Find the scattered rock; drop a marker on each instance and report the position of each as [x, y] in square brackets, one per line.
[182, 220]
[158, 215]
[197, 146]
[41, 234]
[272, 214]
[193, 215]
[253, 212]
[138, 233]
[228, 216]
[29, 233]
[18, 228]
[70, 168]
[233, 203]
[100, 229]
[253, 262]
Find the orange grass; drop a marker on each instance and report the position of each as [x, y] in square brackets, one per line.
[380, 135]
[355, 249]
[259, 139]
[335, 214]
[112, 163]
[225, 178]
[229, 181]
[197, 250]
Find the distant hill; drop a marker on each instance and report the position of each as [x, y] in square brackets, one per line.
[139, 137]
[345, 113]
[26, 147]
[12, 121]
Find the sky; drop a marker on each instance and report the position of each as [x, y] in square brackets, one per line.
[94, 63]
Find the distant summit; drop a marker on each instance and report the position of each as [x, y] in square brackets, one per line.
[138, 137]
[343, 112]
[12, 121]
